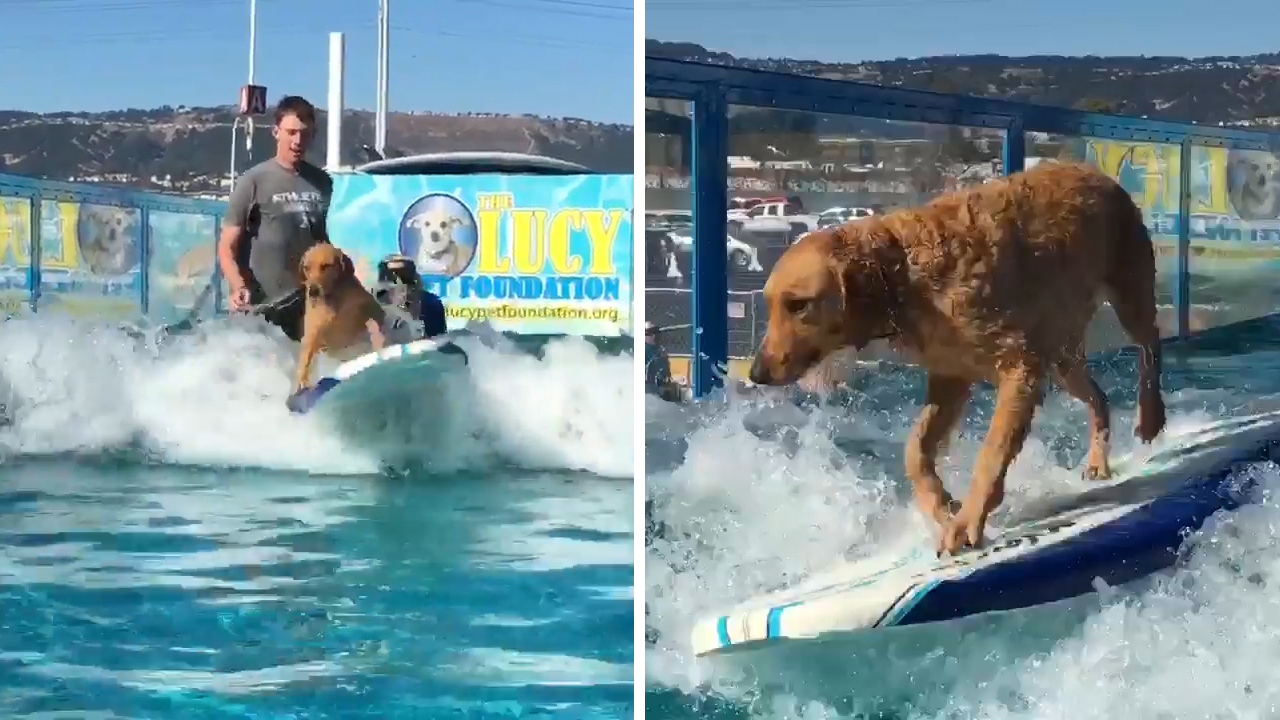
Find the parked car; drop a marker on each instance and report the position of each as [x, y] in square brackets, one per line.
[664, 240]
[841, 215]
[668, 217]
[742, 256]
[787, 218]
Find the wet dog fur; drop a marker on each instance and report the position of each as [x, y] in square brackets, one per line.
[996, 283]
[340, 312]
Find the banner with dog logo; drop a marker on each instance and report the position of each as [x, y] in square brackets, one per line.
[181, 263]
[534, 255]
[15, 255]
[90, 260]
[1234, 222]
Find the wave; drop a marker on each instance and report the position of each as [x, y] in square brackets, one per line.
[215, 397]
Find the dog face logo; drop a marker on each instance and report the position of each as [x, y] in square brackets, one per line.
[439, 233]
[1253, 184]
[108, 239]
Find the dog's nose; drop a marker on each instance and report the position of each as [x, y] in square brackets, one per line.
[313, 291]
[758, 373]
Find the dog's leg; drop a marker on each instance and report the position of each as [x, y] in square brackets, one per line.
[945, 399]
[1075, 379]
[1017, 395]
[310, 347]
[1130, 286]
[377, 338]
[1137, 314]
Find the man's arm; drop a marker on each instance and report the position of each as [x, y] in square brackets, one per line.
[234, 223]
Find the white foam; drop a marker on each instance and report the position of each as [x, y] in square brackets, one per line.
[216, 397]
[746, 511]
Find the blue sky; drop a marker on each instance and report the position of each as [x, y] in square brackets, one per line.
[549, 57]
[853, 30]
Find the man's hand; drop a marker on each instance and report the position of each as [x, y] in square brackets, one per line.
[239, 299]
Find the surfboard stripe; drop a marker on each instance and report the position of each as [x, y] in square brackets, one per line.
[773, 622]
[916, 595]
[880, 621]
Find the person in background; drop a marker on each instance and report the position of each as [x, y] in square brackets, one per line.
[399, 285]
[657, 368]
[276, 212]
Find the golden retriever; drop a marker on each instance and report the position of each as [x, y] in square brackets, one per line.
[994, 283]
[340, 312]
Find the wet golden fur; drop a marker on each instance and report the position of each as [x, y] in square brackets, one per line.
[340, 311]
[994, 283]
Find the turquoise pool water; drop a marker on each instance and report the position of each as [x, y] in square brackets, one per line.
[755, 491]
[174, 545]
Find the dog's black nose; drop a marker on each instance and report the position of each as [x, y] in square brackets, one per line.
[758, 374]
[313, 291]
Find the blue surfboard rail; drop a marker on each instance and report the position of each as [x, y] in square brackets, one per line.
[1139, 543]
[306, 398]
[1114, 533]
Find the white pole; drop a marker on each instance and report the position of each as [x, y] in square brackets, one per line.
[253, 37]
[231, 183]
[377, 98]
[384, 71]
[337, 68]
[253, 52]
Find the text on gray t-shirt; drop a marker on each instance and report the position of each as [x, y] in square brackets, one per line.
[282, 213]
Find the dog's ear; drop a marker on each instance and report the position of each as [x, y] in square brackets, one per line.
[348, 267]
[838, 298]
[455, 220]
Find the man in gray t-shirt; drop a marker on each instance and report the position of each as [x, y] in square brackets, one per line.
[276, 211]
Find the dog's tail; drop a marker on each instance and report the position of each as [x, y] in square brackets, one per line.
[1131, 288]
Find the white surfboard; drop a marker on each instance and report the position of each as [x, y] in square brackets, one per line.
[393, 370]
[1117, 530]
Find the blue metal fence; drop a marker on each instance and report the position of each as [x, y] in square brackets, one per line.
[713, 89]
[105, 252]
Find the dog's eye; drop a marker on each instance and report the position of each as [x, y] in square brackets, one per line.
[795, 306]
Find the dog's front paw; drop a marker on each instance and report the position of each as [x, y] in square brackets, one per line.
[964, 530]
[939, 506]
[1097, 471]
[296, 400]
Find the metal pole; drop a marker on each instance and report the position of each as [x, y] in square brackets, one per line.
[337, 61]
[253, 61]
[253, 37]
[232, 184]
[377, 99]
[384, 68]
[253, 52]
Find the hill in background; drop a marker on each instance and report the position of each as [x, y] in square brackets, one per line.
[187, 149]
[1229, 89]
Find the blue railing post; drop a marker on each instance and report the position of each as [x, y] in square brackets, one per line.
[710, 160]
[1182, 287]
[37, 248]
[1014, 149]
[144, 257]
[216, 278]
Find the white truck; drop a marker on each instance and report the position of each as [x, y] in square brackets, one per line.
[774, 218]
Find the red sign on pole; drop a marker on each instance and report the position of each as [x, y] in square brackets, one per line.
[253, 100]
